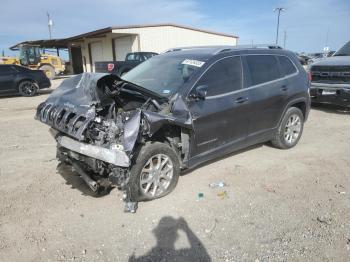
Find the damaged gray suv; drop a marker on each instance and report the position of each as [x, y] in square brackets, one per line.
[174, 112]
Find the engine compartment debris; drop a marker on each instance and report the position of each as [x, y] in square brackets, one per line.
[100, 121]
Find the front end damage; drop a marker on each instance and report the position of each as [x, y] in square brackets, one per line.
[100, 121]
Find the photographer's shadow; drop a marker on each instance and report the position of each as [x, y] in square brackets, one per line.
[167, 233]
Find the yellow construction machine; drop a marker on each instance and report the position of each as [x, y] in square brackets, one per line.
[30, 56]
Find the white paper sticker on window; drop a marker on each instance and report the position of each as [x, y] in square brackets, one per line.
[193, 62]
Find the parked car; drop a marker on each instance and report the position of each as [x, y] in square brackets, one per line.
[331, 78]
[16, 79]
[174, 112]
[121, 67]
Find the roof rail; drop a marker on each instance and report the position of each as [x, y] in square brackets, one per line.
[216, 47]
[267, 46]
[256, 46]
[225, 48]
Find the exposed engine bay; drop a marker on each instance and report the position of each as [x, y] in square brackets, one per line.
[98, 121]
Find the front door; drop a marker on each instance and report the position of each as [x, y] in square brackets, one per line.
[7, 78]
[220, 118]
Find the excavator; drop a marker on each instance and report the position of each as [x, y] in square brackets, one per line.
[30, 56]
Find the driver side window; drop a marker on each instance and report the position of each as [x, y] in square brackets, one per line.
[224, 76]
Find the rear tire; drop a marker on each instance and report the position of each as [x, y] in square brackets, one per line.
[290, 129]
[28, 88]
[49, 71]
[155, 172]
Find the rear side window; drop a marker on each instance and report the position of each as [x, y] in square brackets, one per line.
[287, 66]
[132, 57]
[263, 68]
[223, 77]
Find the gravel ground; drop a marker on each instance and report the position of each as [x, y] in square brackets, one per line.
[278, 205]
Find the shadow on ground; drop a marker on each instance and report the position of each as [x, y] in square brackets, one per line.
[167, 233]
[328, 108]
[75, 181]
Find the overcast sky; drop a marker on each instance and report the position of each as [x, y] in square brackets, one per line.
[305, 21]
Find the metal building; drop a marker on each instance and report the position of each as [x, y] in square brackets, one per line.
[113, 43]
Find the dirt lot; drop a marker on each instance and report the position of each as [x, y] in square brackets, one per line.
[280, 205]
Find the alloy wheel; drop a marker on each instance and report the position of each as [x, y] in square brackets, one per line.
[156, 175]
[292, 129]
[28, 88]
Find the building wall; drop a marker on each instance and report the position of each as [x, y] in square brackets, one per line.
[107, 48]
[153, 39]
[159, 39]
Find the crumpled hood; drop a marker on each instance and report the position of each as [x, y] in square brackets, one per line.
[333, 61]
[78, 92]
[72, 106]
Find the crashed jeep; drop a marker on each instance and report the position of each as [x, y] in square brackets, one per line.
[117, 133]
[175, 111]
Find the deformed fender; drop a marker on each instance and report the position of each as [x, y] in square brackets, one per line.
[150, 122]
[179, 116]
[131, 130]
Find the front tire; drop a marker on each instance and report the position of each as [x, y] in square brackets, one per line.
[28, 88]
[289, 130]
[49, 71]
[155, 172]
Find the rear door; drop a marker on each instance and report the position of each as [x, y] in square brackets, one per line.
[7, 78]
[221, 117]
[268, 92]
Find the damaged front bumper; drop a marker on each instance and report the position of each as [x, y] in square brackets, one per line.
[337, 94]
[113, 156]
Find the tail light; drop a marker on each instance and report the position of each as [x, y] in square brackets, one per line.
[309, 76]
[110, 67]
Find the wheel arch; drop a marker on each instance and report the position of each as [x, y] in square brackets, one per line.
[45, 64]
[19, 81]
[177, 137]
[301, 103]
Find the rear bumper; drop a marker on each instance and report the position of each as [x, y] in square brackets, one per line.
[44, 84]
[337, 94]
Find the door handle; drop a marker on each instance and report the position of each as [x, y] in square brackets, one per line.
[241, 100]
[284, 88]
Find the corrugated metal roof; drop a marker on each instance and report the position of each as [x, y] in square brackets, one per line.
[63, 42]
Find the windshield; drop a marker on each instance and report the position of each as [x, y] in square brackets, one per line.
[344, 51]
[163, 75]
[29, 55]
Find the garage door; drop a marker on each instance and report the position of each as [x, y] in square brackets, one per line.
[96, 53]
[122, 46]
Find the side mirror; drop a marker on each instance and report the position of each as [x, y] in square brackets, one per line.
[200, 92]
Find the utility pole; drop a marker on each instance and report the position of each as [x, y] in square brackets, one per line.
[3, 52]
[279, 10]
[284, 39]
[49, 24]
